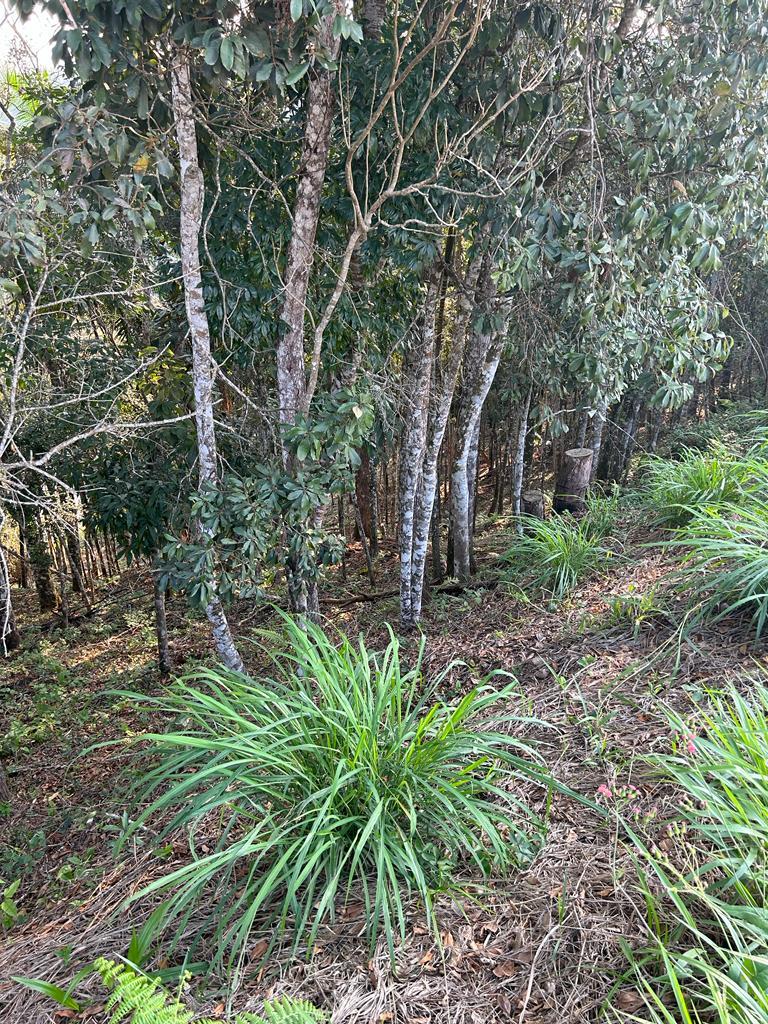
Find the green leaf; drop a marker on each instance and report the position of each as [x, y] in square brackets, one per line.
[227, 53]
[297, 73]
[297, 9]
[59, 995]
[212, 50]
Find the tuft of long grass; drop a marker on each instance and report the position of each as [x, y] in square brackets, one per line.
[675, 491]
[709, 963]
[342, 776]
[554, 554]
[725, 561]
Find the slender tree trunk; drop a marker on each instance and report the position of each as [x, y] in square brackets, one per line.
[480, 365]
[461, 479]
[473, 476]
[598, 429]
[581, 428]
[375, 528]
[413, 446]
[447, 374]
[364, 542]
[192, 186]
[363, 494]
[41, 562]
[23, 557]
[161, 625]
[437, 561]
[9, 634]
[518, 463]
[291, 376]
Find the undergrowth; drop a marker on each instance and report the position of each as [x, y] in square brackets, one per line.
[556, 553]
[708, 917]
[343, 776]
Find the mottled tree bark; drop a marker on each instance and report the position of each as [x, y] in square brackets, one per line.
[41, 562]
[364, 495]
[446, 374]
[373, 18]
[485, 354]
[291, 374]
[481, 361]
[9, 634]
[598, 429]
[418, 373]
[191, 213]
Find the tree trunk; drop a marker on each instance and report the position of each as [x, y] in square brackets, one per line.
[364, 542]
[518, 461]
[161, 625]
[581, 428]
[375, 528]
[373, 18]
[480, 365]
[573, 481]
[41, 562]
[23, 558]
[598, 428]
[446, 373]
[291, 377]
[363, 495]
[418, 373]
[9, 634]
[191, 185]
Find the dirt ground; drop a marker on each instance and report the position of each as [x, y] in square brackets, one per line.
[539, 947]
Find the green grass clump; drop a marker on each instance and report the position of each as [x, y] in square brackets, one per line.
[554, 554]
[342, 777]
[708, 961]
[675, 491]
[725, 562]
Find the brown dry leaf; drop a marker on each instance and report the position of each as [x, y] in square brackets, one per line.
[259, 949]
[353, 910]
[504, 1003]
[506, 970]
[629, 1000]
[218, 1010]
[428, 957]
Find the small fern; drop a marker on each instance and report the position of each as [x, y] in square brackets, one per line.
[138, 999]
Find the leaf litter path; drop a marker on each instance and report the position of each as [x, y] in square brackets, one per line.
[542, 946]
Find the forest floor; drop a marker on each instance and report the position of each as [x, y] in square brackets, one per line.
[544, 945]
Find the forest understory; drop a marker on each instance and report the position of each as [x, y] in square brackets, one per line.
[542, 945]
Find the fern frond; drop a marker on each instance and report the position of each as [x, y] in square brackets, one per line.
[284, 1010]
[138, 999]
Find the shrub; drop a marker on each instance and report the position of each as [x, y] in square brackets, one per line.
[725, 562]
[554, 554]
[341, 777]
[675, 491]
[709, 961]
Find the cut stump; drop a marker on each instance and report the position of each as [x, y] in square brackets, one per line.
[573, 481]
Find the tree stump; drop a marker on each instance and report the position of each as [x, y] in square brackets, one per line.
[573, 481]
[533, 504]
